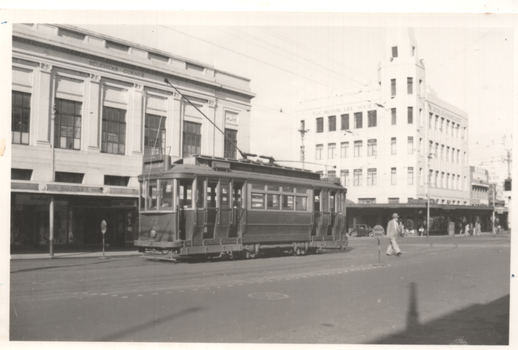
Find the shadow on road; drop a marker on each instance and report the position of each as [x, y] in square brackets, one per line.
[61, 266]
[478, 324]
[128, 332]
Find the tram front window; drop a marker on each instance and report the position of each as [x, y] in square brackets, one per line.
[152, 194]
[185, 194]
[143, 191]
[166, 192]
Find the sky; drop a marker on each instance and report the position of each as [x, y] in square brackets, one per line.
[296, 57]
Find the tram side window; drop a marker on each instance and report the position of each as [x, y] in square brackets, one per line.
[287, 202]
[237, 196]
[324, 201]
[272, 201]
[225, 195]
[212, 194]
[316, 201]
[257, 200]
[339, 202]
[301, 203]
[332, 202]
[199, 193]
[185, 194]
[152, 198]
[166, 194]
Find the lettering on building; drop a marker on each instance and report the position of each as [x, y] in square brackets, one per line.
[116, 69]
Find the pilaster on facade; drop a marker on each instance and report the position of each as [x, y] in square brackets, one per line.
[135, 119]
[43, 104]
[92, 112]
[174, 136]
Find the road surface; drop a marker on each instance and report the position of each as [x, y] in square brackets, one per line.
[442, 290]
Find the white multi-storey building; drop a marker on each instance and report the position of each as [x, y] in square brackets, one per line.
[391, 144]
[86, 108]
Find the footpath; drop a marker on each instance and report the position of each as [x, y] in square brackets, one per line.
[27, 254]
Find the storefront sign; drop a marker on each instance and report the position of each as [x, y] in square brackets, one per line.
[71, 188]
[32, 199]
[124, 203]
[420, 201]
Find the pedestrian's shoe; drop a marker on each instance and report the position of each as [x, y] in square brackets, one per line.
[398, 254]
[389, 254]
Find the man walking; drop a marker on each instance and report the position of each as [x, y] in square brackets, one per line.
[393, 229]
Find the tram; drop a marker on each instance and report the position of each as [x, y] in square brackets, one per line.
[211, 206]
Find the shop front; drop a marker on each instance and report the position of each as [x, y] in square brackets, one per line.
[77, 220]
[444, 219]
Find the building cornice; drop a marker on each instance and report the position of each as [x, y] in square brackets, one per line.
[171, 75]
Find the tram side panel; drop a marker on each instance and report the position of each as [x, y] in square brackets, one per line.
[277, 214]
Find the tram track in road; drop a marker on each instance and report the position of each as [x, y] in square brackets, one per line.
[150, 276]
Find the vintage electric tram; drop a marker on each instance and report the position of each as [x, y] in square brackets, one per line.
[209, 206]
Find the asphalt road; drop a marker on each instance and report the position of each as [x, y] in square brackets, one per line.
[442, 290]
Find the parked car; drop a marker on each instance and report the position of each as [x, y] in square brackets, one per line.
[361, 230]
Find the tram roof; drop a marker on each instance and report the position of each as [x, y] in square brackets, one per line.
[244, 169]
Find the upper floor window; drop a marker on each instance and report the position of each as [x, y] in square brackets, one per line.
[357, 180]
[21, 174]
[393, 114]
[154, 134]
[410, 85]
[320, 124]
[344, 177]
[113, 131]
[372, 146]
[371, 177]
[191, 138]
[394, 51]
[358, 148]
[393, 176]
[373, 120]
[302, 125]
[230, 150]
[67, 130]
[20, 117]
[358, 120]
[318, 152]
[393, 146]
[410, 115]
[331, 150]
[393, 87]
[332, 122]
[112, 180]
[75, 178]
[410, 145]
[344, 149]
[345, 121]
[410, 176]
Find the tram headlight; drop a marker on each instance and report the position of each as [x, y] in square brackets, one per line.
[152, 233]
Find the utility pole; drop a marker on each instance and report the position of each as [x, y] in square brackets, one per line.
[303, 132]
[508, 159]
[427, 165]
[493, 187]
